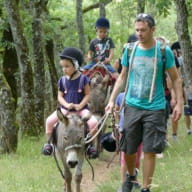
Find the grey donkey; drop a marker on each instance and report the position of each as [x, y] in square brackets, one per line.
[68, 139]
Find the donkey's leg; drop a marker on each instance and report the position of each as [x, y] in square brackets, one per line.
[68, 179]
[78, 179]
[78, 175]
[68, 176]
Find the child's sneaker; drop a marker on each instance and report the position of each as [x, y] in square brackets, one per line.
[145, 190]
[189, 132]
[92, 152]
[175, 138]
[48, 149]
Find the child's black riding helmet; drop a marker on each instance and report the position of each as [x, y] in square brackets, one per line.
[73, 54]
[102, 23]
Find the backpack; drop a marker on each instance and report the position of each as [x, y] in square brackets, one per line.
[81, 85]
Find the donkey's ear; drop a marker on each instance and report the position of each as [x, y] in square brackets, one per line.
[105, 80]
[62, 117]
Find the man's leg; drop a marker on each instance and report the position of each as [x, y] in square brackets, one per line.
[148, 169]
[131, 163]
[187, 121]
[174, 129]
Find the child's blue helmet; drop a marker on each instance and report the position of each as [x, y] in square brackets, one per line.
[102, 22]
[73, 54]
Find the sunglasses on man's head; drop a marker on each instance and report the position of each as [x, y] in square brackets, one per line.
[146, 17]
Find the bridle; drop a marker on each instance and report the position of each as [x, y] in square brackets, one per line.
[75, 146]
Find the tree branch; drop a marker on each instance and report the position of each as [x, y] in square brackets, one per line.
[96, 5]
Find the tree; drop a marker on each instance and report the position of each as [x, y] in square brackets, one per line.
[102, 11]
[96, 5]
[10, 63]
[38, 55]
[79, 20]
[8, 139]
[52, 70]
[140, 6]
[184, 37]
[27, 89]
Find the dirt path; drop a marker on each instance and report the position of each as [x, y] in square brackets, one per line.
[102, 173]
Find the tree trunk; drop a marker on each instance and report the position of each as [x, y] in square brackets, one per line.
[79, 20]
[184, 38]
[102, 11]
[52, 70]
[10, 63]
[27, 101]
[8, 137]
[140, 6]
[39, 72]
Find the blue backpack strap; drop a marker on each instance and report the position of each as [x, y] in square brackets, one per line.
[64, 84]
[81, 83]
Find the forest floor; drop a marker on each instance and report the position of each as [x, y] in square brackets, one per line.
[102, 173]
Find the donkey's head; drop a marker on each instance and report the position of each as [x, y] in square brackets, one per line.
[70, 138]
[98, 94]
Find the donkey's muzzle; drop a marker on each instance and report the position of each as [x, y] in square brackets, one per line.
[72, 164]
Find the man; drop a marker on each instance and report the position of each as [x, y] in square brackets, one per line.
[145, 101]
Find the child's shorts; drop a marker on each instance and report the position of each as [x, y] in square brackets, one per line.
[188, 108]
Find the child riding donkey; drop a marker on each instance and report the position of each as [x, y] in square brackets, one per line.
[101, 48]
[73, 94]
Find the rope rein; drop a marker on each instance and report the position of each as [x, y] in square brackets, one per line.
[92, 169]
[104, 119]
[58, 166]
[116, 136]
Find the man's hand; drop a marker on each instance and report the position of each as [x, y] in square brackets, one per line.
[177, 112]
[109, 107]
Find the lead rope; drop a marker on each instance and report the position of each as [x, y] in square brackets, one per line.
[116, 136]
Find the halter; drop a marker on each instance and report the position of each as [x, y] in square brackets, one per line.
[73, 147]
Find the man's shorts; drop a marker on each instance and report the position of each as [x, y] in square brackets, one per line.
[143, 126]
[188, 108]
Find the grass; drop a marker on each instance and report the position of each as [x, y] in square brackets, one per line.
[28, 170]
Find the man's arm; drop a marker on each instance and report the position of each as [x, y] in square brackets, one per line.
[177, 86]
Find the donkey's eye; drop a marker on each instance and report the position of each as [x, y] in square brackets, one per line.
[80, 139]
[65, 138]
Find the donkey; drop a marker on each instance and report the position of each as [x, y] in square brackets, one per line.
[68, 139]
[99, 95]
